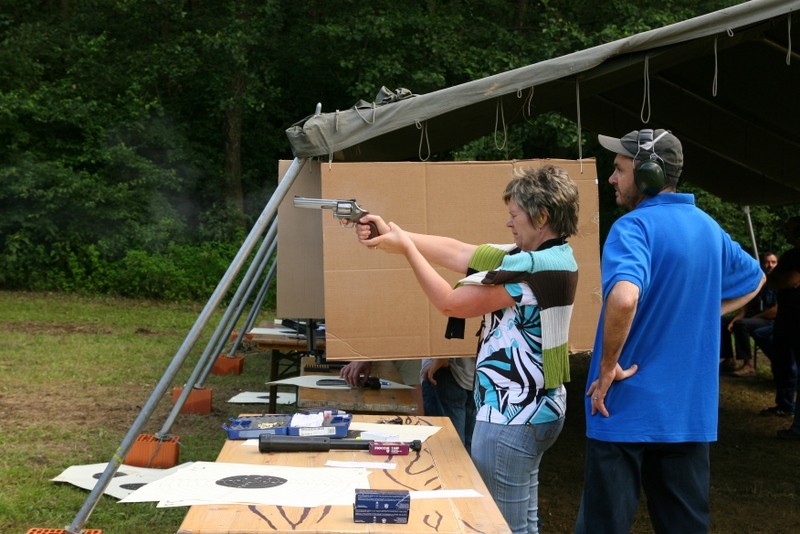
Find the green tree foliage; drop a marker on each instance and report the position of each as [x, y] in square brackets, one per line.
[141, 139]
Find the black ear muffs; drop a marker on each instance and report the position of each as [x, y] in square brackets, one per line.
[648, 174]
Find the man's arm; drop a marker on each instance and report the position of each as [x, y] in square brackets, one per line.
[620, 309]
[769, 313]
[729, 305]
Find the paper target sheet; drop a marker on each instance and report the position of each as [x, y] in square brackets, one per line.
[125, 481]
[232, 483]
[262, 397]
[326, 382]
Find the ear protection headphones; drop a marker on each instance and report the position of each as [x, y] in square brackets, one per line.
[648, 174]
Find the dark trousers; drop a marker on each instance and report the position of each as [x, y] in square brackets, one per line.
[448, 399]
[675, 478]
[742, 332]
[782, 362]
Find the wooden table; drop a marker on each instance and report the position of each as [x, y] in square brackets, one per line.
[383, 401]
[441, 464]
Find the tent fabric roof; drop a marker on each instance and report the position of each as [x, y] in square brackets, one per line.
[726, 83]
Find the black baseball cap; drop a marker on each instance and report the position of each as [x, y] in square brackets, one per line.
[666, 145]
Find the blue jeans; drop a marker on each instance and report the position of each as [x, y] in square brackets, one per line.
[507, 458]
[675, 478]
[448, 399]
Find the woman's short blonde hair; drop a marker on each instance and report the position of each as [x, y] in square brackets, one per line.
[547, 191]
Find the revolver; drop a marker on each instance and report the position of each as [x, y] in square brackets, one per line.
[347, 211]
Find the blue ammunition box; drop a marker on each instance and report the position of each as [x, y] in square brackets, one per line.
[381, 506]
[394, 517]
[387, 500]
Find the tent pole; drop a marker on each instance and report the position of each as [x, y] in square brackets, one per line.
[269, 213]
[206, 362]
[746, 210]
[254, 311]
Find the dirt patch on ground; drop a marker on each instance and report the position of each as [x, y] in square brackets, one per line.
[34, 328]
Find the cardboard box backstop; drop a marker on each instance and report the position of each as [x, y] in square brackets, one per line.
[370, 300]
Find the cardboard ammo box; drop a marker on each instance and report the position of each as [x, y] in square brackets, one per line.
[381, 506]
[370, 300]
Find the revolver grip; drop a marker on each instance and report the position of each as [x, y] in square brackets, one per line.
[373, 230]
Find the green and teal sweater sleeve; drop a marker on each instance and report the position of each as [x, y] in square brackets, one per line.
[552, 275]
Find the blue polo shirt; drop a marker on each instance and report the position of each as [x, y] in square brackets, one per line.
[684, 265]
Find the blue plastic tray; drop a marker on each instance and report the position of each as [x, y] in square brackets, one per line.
[248, 427]
[252, 426]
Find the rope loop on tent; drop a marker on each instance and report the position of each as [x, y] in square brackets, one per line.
[423, 136]
[716, 70]
[527, 106]
[714, 84]
[374, 113]
[499, 114]
[646, 95]
[789, 39]
[578, 115]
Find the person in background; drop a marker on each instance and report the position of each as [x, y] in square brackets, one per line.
[784, 372]
[447, 392]
[786, 333]
[355, 373]
[757, 313]
[653, 383]
[787, 337]
[525, 292]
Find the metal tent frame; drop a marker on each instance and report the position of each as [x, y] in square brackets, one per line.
[264, 230]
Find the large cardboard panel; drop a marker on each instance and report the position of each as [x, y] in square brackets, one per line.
[301, 288]
[373, 307]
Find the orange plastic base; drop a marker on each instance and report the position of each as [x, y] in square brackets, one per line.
[198, 401]
[150, 451]
[228, 365]
[61, 531]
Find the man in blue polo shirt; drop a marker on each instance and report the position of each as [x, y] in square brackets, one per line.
[668, 272]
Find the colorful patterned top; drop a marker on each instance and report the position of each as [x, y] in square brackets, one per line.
[523, 357]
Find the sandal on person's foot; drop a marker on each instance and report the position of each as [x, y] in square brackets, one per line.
[744, 371]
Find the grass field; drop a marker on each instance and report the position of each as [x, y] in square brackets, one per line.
[75, 373]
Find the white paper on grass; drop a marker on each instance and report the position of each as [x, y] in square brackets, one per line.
[310, 381]
[125, 481]
[234, 483]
